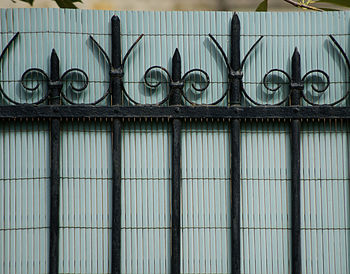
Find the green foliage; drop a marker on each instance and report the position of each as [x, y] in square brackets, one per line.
[30, 2]
[68, 4]
[262, 6]
[341, 3]
[309, 4]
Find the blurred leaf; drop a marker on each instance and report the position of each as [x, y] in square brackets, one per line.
[343, 3]
[262, 6]
[328, 9]
[67, 3]
[307, 2]
[30, 2]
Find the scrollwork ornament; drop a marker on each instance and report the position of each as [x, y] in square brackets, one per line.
[176, 84]
[116, 72]
[73, 87]
[236, 74]
[346, 95]
[35, 88]
[315, 88]
[273, 90]
[156, 84]
[327, 81]
[31, 90]
[199, 89]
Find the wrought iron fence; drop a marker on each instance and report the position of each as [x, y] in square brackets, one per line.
[56, 101]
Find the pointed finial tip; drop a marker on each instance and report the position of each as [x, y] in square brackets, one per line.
[115, 18]
[296, 51]
[176, 55]
[54, 56]
[235, 20]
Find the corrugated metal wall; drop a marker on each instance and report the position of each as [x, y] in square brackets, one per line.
[85, 197]
[24, 197]
[205, 198]
[266, 197]
[85, 218]
[146, 198]
[325, 197]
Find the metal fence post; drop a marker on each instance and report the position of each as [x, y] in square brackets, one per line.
[116, 83]
[175, 99]
[296, 88]
[54, 89]
[235, 124]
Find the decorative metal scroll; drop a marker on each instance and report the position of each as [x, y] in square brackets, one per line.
[38, 77]
[236, 73]
[178, 84]
[52, 83]
[308, 75]
[299, 86]
[116, 69]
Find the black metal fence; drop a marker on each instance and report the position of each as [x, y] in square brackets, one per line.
[173, 108]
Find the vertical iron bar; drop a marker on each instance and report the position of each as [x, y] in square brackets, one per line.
[116, 196]
[235, 194]
[296, 87]
[175, 99]
[235, 83]
[116, 150]
[54, 87]
[116, 62]
[235, 100]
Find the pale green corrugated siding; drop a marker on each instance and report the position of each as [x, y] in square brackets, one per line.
[86, 149]
[325, 192]
[24, 197]
[205, 198]
[85, 197]
[265, 195]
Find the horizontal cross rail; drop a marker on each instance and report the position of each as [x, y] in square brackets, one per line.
[179, 112]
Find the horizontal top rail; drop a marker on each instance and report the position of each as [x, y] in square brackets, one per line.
[180, 112]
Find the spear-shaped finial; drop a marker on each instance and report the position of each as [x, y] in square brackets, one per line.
[54, 66]
[116, 53]
[176, 86]
[176, 66]
[296, 83]
[235, 42]
[296, 73]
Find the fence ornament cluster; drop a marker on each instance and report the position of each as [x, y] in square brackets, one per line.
[61, 105]
[116, 71]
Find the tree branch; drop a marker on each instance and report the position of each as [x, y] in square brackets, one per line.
[300, 5]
